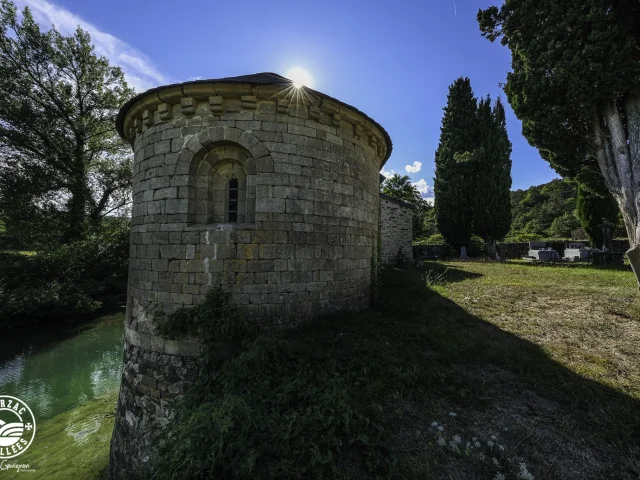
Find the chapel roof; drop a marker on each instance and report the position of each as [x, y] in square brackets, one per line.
[263, 78]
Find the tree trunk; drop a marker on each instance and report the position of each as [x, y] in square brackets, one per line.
[618, 155]
[77, 208]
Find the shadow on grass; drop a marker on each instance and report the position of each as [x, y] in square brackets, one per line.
[448, 274]
[582, 429]
[420, 355]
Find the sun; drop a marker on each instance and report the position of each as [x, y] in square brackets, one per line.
[300, 77]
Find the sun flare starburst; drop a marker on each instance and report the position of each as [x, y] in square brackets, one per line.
[300, 77]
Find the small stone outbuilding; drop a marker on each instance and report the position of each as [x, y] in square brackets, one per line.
[248, 183]
[396, 230]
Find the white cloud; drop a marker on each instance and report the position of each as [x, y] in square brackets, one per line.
[422, 187]
[387, 173]
[430, 200]
[415, 168]
[191, 79]
[138, 69]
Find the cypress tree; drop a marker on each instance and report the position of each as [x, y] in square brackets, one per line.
[454, 183]
[591, 208]
[492, 199]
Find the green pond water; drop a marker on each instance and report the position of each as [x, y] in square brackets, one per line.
[55, 369]
[69, 377]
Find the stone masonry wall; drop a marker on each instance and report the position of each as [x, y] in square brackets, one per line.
[312, 191]
[396, 230]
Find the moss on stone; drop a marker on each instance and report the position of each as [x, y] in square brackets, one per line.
[72, 445]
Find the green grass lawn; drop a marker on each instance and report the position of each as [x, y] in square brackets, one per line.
[529, 364]
[27, 253]
[545, 358]
[72, 445]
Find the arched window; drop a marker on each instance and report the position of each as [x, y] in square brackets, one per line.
[224, 181]
[232, 201]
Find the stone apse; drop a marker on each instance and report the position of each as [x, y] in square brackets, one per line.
[249, 183]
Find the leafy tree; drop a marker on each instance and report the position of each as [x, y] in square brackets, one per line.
[574, 85]
[400, 187]
[492, 200]
[535, 209]
[563, 225]
[455, 180]
[62, 161]
[551, 209]
[430, 225]
[591, 208]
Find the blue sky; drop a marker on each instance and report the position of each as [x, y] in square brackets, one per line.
[394, 60]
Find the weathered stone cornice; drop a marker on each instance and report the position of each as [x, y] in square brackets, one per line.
[204, 98]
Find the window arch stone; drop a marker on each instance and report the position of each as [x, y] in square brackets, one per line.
[212, 172]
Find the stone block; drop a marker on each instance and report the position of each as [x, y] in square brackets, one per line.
[246, 139]
[163, 147]
[274, 205]
[248, 251]
[288, 168]
[259, 266]
[188, 105]
[281, 191]
[301, 130]
[164, 111]
[215, 105]
[259, 150]
[248, 102]
[248, 126]
[280, 236]
[264, 164]
[302, 207]
[274, 127]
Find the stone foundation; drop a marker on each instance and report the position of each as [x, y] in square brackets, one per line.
[150, 381]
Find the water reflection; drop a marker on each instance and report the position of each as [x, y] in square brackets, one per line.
[11, 371]
[55, 370]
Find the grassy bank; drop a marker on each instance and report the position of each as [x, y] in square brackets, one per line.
[543, 357]
[463, 371]
[72, 445]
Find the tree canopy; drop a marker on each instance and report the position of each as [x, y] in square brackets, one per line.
[455, 175]
[567, 57]
[62, 161]
[556, 208]
[591, 209]
[492, 200]
[575, 85]
[536, 208]
[473, 169]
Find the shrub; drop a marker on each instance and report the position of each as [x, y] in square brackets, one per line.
[281, 408]
[476, 248]
[65, 281]
[437, 239]
[523, 237]
[10, 242]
